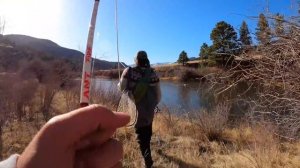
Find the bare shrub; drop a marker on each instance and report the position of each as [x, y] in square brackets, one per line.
[187, 74]
[167, 71]
[23, 93]
[273, 69]
[108, 97]
[5, 105]
[212, 123]
[112, 74]
[71, 96]
[35, 69]
[169, 122]
[46, 95]
[16, 97]
[52, 77]
[5, 96]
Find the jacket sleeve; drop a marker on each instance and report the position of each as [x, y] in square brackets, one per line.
[11, 162]
[123, 81]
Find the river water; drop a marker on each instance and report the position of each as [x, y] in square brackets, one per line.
[184, 97]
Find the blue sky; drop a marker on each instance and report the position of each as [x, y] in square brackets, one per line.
[163, 28]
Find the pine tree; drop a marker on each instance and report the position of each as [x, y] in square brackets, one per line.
[204, 51]
[279, 28]
[263, 31]
[245, 37]
[183, 58]
[225, 42]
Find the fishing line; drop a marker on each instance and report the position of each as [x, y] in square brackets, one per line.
[117, 36]
[125, 103]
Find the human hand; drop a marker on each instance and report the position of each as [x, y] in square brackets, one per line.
[78, 139]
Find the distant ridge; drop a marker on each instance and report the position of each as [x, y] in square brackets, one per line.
[53, 49]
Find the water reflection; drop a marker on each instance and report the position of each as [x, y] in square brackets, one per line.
[181, 96]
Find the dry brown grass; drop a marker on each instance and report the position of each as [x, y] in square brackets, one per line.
[112, 74]
[16, 136]
[176, 142]
[244, 146]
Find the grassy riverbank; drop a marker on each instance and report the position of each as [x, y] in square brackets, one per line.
[183, 73]
[174, 72]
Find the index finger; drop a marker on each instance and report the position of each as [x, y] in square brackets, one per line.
[81, 122]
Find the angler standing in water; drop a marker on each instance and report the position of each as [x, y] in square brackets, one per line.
[142, 85]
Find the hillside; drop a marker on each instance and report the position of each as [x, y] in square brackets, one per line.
[20, 43]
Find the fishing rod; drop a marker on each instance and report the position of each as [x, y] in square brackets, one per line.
[86, 70]
[117, 36]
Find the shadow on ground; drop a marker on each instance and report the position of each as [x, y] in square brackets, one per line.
[177, 161]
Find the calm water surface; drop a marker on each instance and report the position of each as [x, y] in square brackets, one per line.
[175, 95]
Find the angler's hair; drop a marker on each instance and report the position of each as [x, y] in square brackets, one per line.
[141, 59]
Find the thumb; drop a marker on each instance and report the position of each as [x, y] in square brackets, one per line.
[71, 127]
